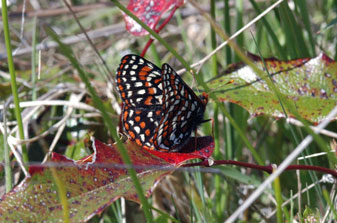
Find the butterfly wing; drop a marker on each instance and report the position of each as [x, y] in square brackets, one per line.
[182, 112]
[140, 123]
[139, 85]
[138, 81]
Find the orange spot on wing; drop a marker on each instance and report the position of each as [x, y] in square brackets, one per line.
[148, 100]
[186, 94]
[144, 72]
[146, 68]
[147, 132]
[150, 90]
[126, 125]
[142, 125]
[138, 142]
[137, 118]
[142, 76]
[132, 135]
[125, 115]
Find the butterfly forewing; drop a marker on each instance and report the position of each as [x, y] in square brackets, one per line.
[138, 81]
[139, 85]
[182, 112]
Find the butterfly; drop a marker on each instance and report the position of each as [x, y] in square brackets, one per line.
[159, 110]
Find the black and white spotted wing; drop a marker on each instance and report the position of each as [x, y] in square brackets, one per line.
[139, 85]
[138, 81]
[182, 112]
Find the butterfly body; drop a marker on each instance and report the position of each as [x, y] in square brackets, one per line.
[159, 110]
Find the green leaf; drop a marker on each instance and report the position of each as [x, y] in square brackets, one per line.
[310, 83]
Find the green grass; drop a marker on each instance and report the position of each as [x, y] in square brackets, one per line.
[294, 30]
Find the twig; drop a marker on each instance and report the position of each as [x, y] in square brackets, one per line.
[102, 32]
[17, 157]
[322, 131]
[22, 26]
[18, 79]
[51, 12]
[73, 99]
[78, 105]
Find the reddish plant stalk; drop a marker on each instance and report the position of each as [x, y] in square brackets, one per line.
[148, 44]
[268, 169]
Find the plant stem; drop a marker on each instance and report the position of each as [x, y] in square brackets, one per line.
[61, 194]
[268, 169]
[278, 196]
[217, 153]
[8, 169]
[13, 79]
[34, 59]
[148, 44]
[227, 27]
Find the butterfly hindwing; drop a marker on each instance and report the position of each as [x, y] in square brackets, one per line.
[140, 123]
[182, 112]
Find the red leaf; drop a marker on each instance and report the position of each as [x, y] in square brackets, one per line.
[91, 184]
[148, 11]
[204, 149]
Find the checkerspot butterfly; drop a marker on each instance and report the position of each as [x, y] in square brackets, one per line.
[159, 110]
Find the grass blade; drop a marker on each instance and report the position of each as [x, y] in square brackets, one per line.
[13, 79]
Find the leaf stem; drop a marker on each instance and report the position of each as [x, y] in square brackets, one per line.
[153, 33]
[268, 169]
[148, 44]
